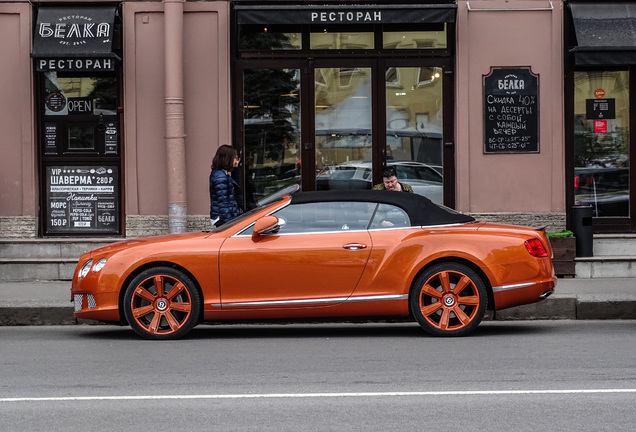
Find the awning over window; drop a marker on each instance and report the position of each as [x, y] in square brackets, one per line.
[346, 14]
[73, 32]
[605, 33]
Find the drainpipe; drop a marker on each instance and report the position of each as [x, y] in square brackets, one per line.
[175, 119]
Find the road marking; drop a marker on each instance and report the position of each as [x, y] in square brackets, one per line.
[315, 395]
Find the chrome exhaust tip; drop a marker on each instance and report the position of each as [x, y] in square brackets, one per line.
[545, 295]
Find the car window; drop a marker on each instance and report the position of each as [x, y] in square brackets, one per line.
[325, 217]
[390, 216]
[429, 174]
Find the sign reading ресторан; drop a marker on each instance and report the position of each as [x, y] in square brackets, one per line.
[346, 17]
[74, 64]
[345, 14]
[74, 39]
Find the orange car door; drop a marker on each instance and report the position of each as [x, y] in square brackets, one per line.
[317, 258]
[296, 269]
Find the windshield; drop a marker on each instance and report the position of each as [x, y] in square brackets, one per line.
[243, 216]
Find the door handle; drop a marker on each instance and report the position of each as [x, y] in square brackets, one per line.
[354, 246]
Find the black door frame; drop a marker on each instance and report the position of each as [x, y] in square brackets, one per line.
[599, 224]
[80, 158]
[378, 65]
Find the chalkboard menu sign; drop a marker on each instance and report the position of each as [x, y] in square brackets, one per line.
[82, 199]
[511, 111]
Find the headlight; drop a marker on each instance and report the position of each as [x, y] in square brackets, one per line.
[99, 265]
[85, 269]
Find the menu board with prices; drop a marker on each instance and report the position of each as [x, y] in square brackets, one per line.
[82, 199]
[511, 111]
[600, 109]
[110, 137]
[50, 138]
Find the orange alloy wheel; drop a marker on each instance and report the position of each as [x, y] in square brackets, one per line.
[162, 303]
[449, 299]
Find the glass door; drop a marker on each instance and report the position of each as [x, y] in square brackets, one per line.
[80, 153]
[329, 124]
[414, 127]
[602, 174]
[272, 133]
[343, 120]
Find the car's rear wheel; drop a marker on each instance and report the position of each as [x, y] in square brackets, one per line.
[162, 303]
[448, 299]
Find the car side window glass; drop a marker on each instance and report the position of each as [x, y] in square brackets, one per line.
[325, 217]
[429, 174]
[390, 216]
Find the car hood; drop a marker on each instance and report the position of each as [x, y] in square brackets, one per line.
[144, 241]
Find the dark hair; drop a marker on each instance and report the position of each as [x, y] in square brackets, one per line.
[388, 172]
[224, 158]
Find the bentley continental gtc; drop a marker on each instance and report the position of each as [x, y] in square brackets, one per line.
[319, 255]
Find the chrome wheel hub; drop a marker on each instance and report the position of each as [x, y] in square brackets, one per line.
[449, 300]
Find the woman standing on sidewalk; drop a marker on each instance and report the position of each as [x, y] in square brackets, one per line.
[225, 193]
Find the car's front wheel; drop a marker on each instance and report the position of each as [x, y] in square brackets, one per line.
[162, 303]
[448, 299]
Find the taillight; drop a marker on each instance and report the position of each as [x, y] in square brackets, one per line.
[536, 248]
[576, 182]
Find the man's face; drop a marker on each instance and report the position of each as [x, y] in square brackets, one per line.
[391, 183]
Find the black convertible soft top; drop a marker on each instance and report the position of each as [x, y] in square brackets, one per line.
[421, 210]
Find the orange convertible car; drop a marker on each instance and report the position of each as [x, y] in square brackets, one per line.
[319, 254]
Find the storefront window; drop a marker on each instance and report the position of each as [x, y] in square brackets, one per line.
[81, 137]
[601, 142]
[405, 38]
[270, 37]
[79, 95]
[272, 132]
[341, 38]
[343, 128]
[414, 128]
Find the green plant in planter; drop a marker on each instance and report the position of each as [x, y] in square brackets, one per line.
[560, 234]
[563, 251]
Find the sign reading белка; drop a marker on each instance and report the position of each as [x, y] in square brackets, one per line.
[74, 39]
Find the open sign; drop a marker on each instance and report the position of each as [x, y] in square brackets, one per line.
[80, 106]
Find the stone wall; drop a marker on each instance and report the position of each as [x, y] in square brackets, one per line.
[553, 222]
[18, 226]
[143, 226]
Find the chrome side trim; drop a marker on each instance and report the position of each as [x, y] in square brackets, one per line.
[429, 227]
[511, 287]
[307, 302]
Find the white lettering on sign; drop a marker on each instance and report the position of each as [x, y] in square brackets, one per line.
[511, 84]
[75, 64]
[63, 30]
[80, 105]
[346, 16]
[71, 180]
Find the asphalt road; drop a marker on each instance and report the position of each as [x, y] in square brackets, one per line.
[521, 376]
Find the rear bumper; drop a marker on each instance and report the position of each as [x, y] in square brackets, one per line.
[520, 294]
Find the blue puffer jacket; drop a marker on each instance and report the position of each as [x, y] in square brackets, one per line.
[223, 203]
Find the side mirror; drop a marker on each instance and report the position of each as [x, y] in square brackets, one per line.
[266, 225]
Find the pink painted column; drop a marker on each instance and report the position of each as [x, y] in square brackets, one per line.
[175, 119]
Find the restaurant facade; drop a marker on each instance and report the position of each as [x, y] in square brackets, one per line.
[513, 111]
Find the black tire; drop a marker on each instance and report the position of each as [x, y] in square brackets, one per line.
[449, 299]
[162, 303]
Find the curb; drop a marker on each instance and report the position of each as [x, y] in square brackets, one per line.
[36, 315]
[557, 307]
